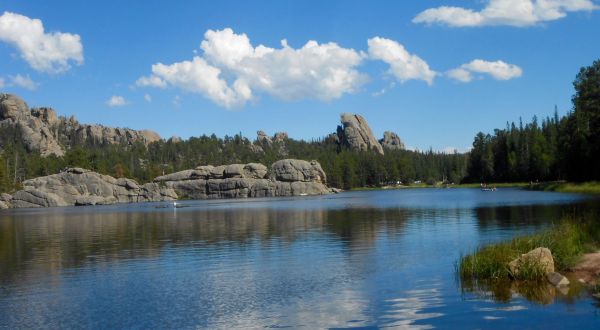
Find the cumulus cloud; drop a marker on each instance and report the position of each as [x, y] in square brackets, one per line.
[45, 52]
[519, 13]
[232, 71]
[151, 81]
[498, 70]
[116, 101]
[148, 98]
[403, 65]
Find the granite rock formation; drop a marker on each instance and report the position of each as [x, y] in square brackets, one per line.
[41, 129]
[391, 141]
[356, 134]
[77, 186]
[288, 177]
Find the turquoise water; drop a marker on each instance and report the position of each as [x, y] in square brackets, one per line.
[356, 259]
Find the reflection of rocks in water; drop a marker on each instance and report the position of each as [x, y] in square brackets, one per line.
[540, 292]
[360, 227]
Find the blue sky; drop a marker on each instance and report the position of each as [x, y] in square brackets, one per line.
[435, 72]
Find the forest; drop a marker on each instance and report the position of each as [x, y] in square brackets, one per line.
[557, 148]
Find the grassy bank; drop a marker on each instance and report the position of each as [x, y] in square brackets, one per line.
[567, 241]
[592, 187]
[462, 185]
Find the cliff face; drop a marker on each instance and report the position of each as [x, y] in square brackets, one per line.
[41, 129]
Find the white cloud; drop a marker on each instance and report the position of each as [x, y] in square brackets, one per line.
[148, 98]
[45, 52]
[2, 82]
[151, 81]
[518, 13]
[460, 74]
[232, 71]
[22, 81]
[498, 70]
[116, 101]
[403, 65]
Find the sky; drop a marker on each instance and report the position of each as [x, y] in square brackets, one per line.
[434, 72]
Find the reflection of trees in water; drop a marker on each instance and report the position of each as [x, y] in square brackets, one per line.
[56, 240]
[507, 217]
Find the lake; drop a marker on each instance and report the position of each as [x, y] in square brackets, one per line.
[355, 259]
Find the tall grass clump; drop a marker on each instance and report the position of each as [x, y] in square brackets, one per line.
[591, 187]
[567, 241]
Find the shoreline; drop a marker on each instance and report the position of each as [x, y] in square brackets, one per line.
[574, 247]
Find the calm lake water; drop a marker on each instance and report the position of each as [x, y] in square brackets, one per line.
[356, 259]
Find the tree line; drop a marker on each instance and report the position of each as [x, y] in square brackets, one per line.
[344, 168]
[558, 148]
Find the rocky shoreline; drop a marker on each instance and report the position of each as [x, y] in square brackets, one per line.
[77, 186]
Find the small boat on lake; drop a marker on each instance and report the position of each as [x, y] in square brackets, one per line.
[485, 187]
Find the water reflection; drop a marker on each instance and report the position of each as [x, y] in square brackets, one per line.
[538, 292]
[357, 259]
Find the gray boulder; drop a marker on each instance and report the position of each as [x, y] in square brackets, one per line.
[292, 170]
[76, 186]
[540, 257]
[356, 134]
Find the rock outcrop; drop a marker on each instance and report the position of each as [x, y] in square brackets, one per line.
[77, 186]
[41, 129]
[356, 134]
[288, 177]
[263, 138]
[540, 258]
[391, 141]
[265, 141]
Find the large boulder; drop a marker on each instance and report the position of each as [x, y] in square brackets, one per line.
[356, 134]
[12, 107]
[255, 171]
[77, 186]
[391, 141]
[291, 170]
[539, 259]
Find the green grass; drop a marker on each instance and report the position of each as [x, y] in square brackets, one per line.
[462, 185]
[592, 187]
[567, 241]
